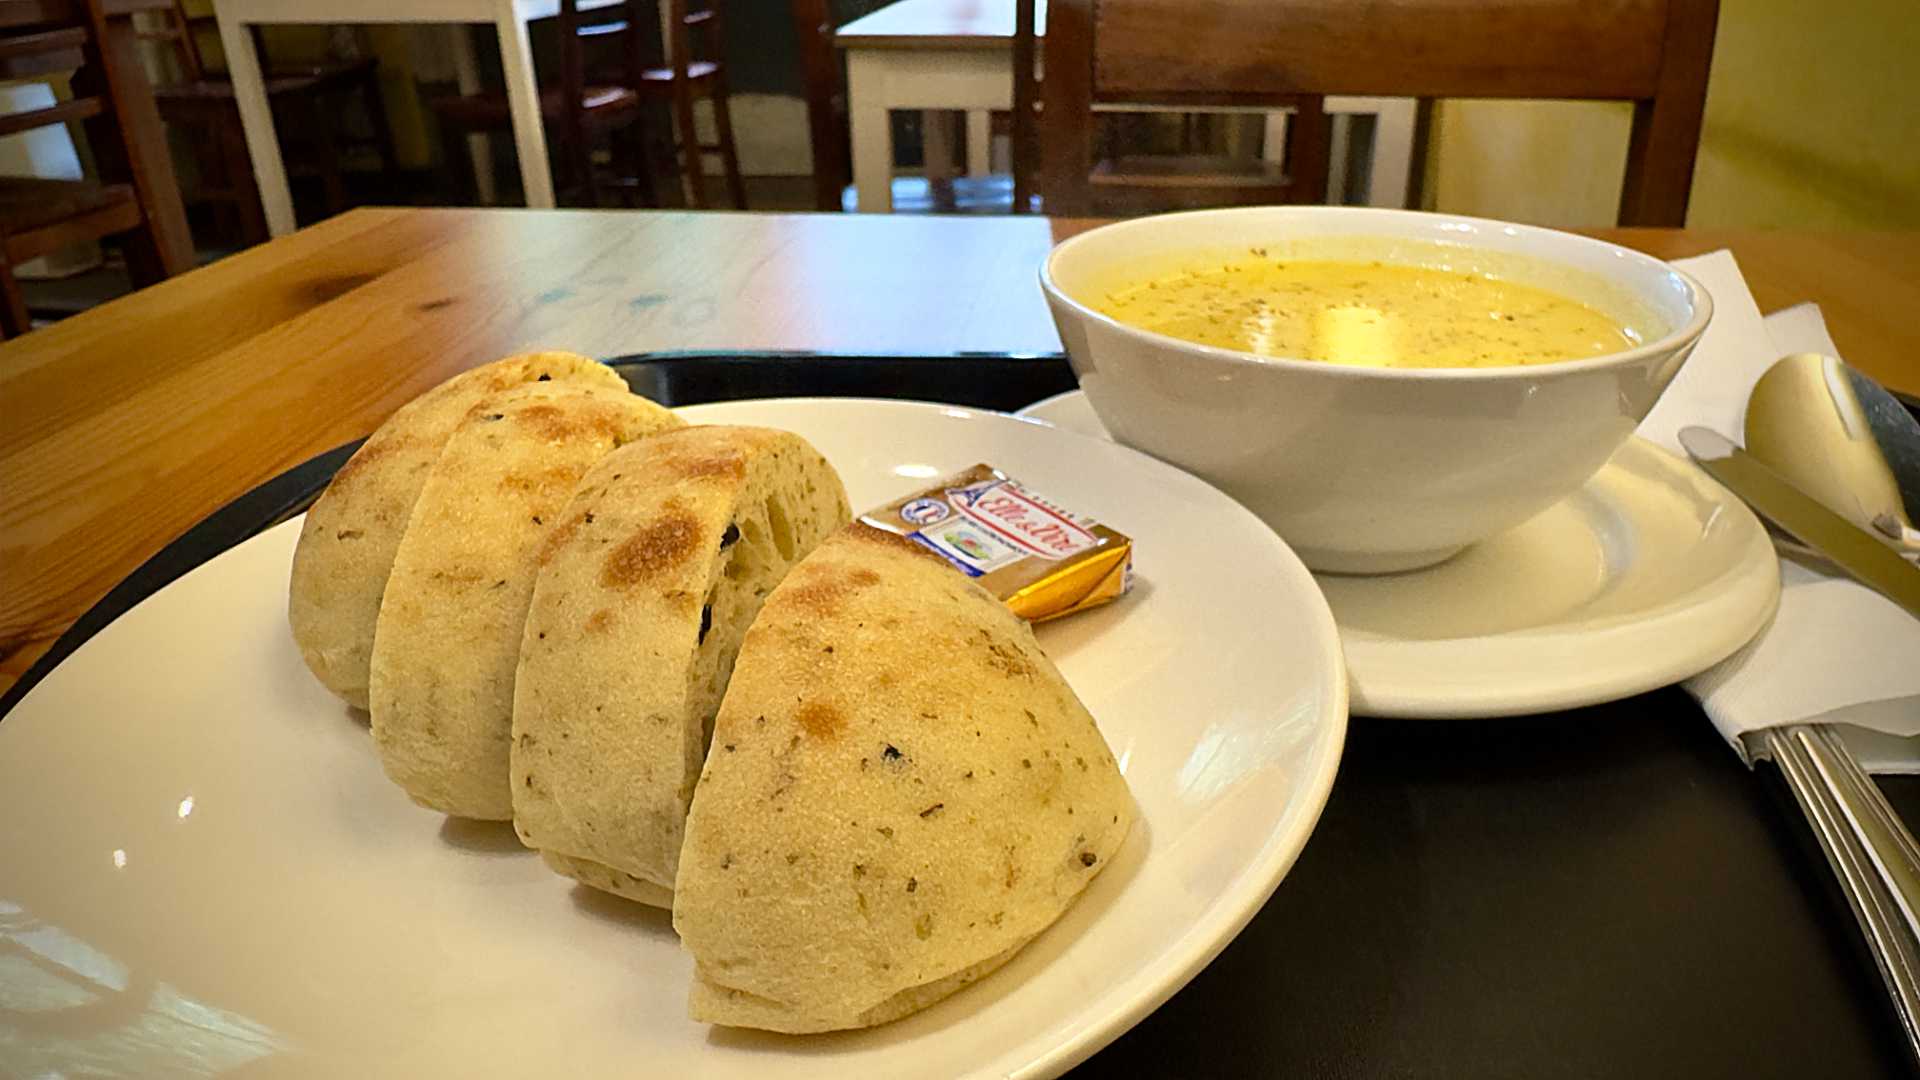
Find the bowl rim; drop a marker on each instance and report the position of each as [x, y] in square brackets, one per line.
[1681, 337]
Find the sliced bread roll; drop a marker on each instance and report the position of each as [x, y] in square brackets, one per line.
[659, 564]
[448, 636]
[902, 791]
[350, 535]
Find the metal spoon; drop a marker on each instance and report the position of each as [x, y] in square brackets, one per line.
[1843, 439]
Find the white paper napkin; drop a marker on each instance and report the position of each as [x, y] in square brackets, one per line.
[1835, 646]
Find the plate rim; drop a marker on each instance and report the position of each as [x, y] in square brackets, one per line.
[1749, 587]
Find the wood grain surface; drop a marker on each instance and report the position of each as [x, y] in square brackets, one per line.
[122, 427]
[1437, 48]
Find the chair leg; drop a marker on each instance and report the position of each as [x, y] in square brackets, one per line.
[729, 155]
[142, 251]
[594, 195]
[326, 141]
[203, 149]
[209, 153]
[630, 158]
[626, 177]
[689, 138]
[238, 169]
[14, 319]
[579, 151]
[460, 184]
[224, 222]
[376, 104]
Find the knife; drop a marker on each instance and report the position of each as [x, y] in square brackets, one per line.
[1864, 556]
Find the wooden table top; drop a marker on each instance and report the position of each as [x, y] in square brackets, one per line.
[938, 24]
[122, 427]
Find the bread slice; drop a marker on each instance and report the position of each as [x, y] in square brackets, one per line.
[349, 538]
[901, 793]
[661, 561]
[448, 635]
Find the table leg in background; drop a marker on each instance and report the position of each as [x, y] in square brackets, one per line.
[523, 101]
[872, 136]
[936, 143]
[979, 142]
[256, 119]
[479, 147]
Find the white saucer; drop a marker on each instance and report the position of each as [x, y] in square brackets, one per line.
[1650, 574]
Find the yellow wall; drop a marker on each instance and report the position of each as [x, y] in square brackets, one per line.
[1813, 121]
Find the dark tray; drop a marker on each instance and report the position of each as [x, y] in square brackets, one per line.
[1602, 892]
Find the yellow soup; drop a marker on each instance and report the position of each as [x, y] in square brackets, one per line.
[1368, 313]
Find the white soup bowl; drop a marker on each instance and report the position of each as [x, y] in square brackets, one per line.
[1373, 469]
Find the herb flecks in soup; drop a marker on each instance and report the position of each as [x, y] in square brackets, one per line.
[1367, 313]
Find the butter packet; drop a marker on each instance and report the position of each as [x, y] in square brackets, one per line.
[1042, 560]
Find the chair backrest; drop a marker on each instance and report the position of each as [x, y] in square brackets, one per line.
[1654, 53]
[1126, 183]
[683, 22]
[48, 51]
[111, 95]
[179, 30]
[577, 29]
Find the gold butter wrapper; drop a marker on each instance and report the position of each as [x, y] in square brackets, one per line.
[1043, 560]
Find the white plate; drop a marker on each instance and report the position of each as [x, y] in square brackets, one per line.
[202, 866]
[1650, 574]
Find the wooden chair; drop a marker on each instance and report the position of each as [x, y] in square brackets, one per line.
[305, 97]
[578, 111]
[1077, 179]
[697, 73]
[826, 90]
[1654, 53]
[136, 199]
